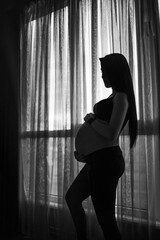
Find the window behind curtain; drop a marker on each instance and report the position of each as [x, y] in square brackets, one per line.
[59, 87]
[88, 88]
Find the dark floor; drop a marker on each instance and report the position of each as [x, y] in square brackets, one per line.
[19, 237]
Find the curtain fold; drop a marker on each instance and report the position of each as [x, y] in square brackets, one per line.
[61, 43]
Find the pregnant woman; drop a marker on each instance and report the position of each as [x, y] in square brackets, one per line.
[97, 144]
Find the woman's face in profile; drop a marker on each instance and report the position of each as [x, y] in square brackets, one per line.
[105, 80]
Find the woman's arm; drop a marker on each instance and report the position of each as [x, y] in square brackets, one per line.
[112, 129]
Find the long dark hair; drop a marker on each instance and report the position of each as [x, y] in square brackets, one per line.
[115, 67]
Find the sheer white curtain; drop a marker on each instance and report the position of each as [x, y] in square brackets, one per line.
[61, 42]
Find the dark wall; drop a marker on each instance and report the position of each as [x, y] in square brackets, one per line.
[9, 92]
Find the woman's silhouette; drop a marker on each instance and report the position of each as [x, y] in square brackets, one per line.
[99, 177]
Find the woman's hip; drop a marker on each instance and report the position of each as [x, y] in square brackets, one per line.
[107, 162]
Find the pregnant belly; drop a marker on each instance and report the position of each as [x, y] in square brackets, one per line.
[88, 140]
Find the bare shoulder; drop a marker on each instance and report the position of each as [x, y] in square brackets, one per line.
[121, 98]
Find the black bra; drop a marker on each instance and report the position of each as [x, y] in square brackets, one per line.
[103, 110]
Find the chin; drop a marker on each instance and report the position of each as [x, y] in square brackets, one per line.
[107, 86]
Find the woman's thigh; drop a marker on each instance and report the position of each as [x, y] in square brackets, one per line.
[107, 167]
[103, 193]
[80, 188]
